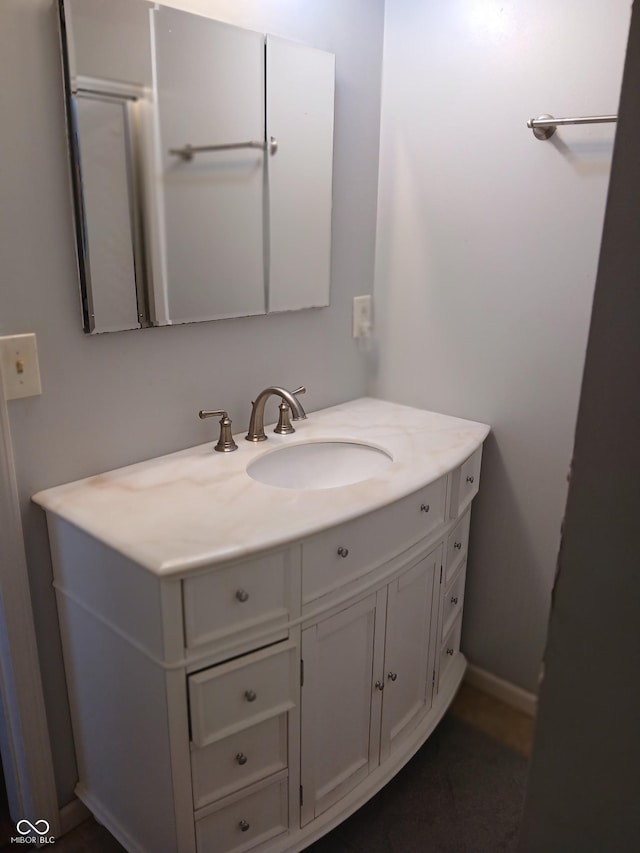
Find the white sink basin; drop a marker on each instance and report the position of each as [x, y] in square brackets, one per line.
[319, 465]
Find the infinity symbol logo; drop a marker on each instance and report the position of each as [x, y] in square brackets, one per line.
[40, 827]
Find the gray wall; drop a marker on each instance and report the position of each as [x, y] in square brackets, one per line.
[115, 399]
[486, 260]
[583, 784]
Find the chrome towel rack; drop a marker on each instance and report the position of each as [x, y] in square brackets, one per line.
[187, 152]
[545, 126]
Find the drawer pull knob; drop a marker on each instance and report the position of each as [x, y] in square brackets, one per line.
[250, 695]
[241, 758]
[470, 479]
[392, 676]
[379, 685]
[343, 552]
[244, 825]
[424, 507]
[450, 651]
[454, 599]
[457, 545]
[242, 595]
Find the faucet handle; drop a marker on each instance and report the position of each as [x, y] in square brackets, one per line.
[225, 442]
[302, 415]
[284, 426]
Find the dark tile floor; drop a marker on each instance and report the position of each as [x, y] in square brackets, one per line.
[461, 793]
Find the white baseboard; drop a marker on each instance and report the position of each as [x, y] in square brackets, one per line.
[508, 693]
[72, 815]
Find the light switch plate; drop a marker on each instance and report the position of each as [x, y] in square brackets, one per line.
[19, 365]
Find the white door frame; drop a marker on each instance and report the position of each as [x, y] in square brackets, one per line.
[24, 735]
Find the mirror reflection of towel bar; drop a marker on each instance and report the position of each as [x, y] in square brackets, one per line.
[545, 126]
[188, 151]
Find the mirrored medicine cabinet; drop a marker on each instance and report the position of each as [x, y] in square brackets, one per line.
[201, 165]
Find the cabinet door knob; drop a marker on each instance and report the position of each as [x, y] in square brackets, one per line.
[250, 695]
[454, 599]
[392, 676]
[450, 651]
[379, 685]
[241, 758]
[242, 595]
[343, 552]
[457, 545]
[244, 825]
[470, 478]
[424, 507]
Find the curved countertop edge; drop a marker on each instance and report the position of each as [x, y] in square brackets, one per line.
[194, 508]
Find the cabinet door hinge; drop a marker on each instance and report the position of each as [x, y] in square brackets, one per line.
[433, 680]
[301, 795]
[440, 574]
[301, 672]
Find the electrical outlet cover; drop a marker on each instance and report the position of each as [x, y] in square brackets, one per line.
[362, 316]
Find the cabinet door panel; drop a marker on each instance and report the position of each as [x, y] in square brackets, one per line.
[343, 658]
[210, 91]
[300, 89]
[104, 131]
[408, 663]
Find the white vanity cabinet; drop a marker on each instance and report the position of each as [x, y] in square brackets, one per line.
[255, 700]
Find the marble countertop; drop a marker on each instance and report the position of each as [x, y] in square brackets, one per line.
[196, 507]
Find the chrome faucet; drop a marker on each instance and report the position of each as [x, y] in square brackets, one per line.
[289, 401]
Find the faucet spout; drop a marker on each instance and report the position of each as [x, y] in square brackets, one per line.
[256, 422]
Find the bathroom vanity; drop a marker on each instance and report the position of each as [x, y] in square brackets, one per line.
[247, 663]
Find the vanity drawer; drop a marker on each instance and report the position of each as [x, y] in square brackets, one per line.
[457, 543]
[465, 484]
[450, 647]
[346, 552]
[453, 599]
[244, 820]
[248, 597]
[240, 760]
[232, 696]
